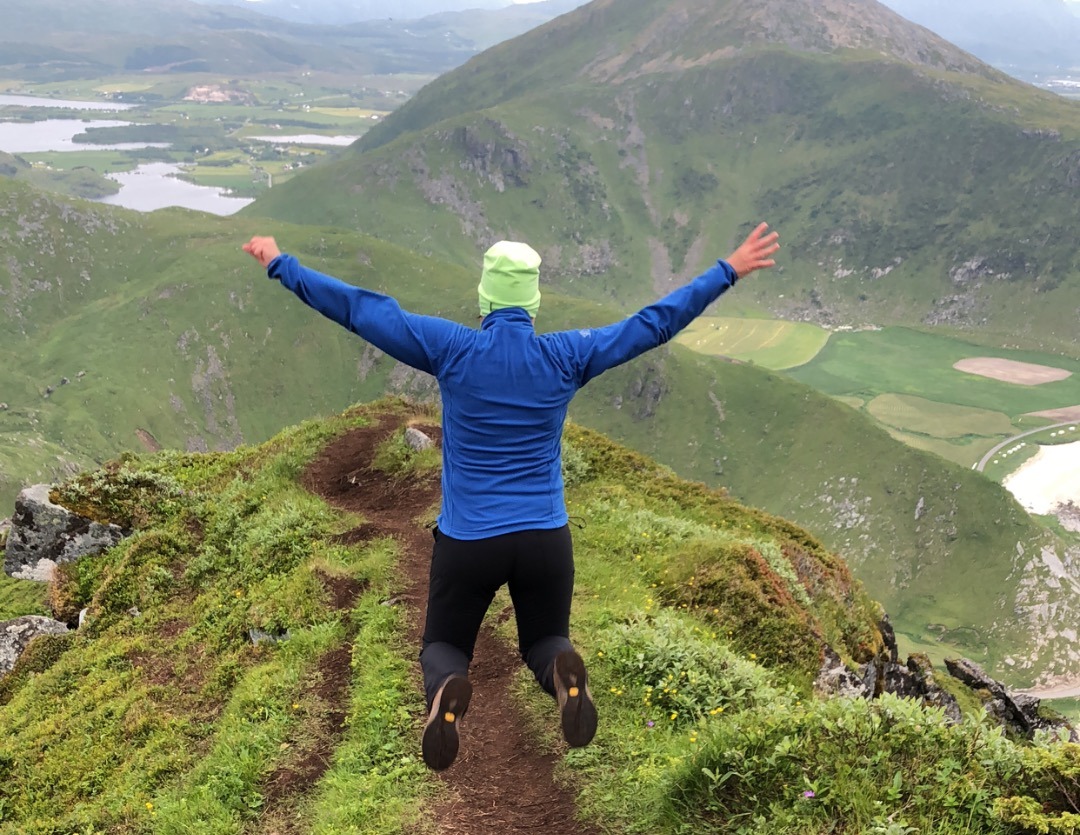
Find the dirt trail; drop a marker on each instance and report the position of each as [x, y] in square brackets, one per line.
[500, 782]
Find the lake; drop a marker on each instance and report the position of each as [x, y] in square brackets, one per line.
[148, 187]
[68, 104]
[154, 186]
[57, 134]
[307, 139]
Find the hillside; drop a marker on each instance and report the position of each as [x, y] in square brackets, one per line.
[246, 663]
[140, 331]
[629, 139]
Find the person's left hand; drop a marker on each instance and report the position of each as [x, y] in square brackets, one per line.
[262, 249]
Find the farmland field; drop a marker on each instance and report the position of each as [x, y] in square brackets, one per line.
[905, 361]
[771, 343]
[905, 380]
[938, 420]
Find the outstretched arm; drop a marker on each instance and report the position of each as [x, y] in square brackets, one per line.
[420, 341]
[598, 350]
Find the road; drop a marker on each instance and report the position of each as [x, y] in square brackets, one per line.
[986, 458]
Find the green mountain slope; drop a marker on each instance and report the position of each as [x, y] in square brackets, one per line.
[168, 335]
[627, 140]
[239, 670]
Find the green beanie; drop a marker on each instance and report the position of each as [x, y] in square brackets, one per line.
[511, 278]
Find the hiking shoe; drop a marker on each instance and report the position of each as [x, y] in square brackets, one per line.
[575, 700]
[440, 742]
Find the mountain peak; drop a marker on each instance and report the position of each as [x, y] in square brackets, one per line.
[674, 35]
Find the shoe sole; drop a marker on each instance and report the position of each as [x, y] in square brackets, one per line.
[440, 742]
[578, 711]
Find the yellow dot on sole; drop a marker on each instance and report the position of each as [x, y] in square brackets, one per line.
[449, 717]
[573, 692]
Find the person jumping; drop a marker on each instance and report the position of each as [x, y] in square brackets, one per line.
[505, 390]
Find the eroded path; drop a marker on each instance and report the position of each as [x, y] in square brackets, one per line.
[500, 783]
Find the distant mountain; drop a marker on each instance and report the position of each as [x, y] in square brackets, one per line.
[51, 38]
[1028, 37]
[351, 11]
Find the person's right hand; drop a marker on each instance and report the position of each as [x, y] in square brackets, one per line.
[754, 252]
[263, 250]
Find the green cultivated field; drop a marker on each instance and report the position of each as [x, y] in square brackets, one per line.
[905, 380]
[905, 361]
[938, 420]
[770, 343]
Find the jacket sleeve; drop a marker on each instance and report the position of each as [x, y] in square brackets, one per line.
[423, 342]
[592, 352]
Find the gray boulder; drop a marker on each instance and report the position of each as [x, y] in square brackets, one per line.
[44, 534]
[16, 634]
[417, 440]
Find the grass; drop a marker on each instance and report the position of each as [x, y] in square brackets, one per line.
[21, 597]
[173, 721]
[964, 452]
[153, 362]
[918, 363]
[193, 717]
[705, 728]
[938, 420]
[769, 343]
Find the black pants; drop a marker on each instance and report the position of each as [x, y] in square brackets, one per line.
[538, 567]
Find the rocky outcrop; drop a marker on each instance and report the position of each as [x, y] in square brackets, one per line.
[922, 671]
[44, 534]
[835, 679]
[16, 634]
[1016, 711]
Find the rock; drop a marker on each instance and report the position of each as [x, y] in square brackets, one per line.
[260, 636]
[869, 673]
[1018, 712]
[901, 681]
[835, 679]
[417, 440]
[888, 636]
[932, 694]
[973, 675]
[16, 634]
[44, 535]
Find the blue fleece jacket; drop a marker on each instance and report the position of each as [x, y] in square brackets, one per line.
[505, 388]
